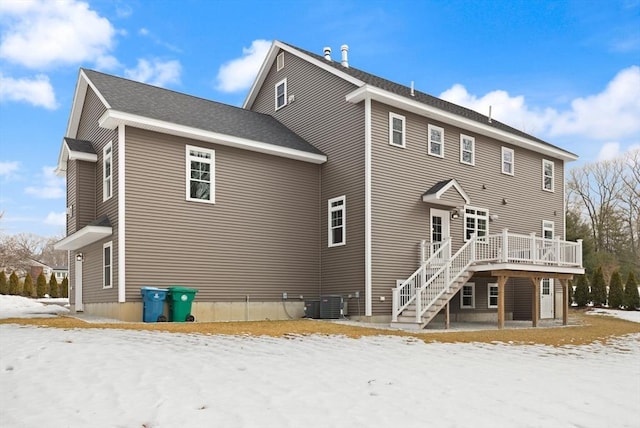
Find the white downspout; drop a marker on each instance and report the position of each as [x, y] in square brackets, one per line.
[368, 302]
[121, 214]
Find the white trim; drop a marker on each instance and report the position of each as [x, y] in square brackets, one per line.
[112, 118]
[489, 287]
[553, 175]
[446, 223]
[392, 131]
[477, 217]
[436, 128]
[121, 216]
[525, 267]
[212, 172]
[107, 182]
[473, 296]
[83, 237]
[413, 106]
[368, 272]
[78, 103]
[66, 154]
[283, 82]
[512, 163]
[343, 226]
[108, 245]
[464, 137]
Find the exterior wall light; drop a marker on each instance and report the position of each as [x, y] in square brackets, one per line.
[455, 214]
[79, 257]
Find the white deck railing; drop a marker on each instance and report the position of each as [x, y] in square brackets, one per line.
[439, 269]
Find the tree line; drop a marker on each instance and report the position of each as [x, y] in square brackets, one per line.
[14, 286]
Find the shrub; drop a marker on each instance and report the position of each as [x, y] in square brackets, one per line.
[616, 292]
[64, 287]
[14, 285]
[631, 297]
[598, 288]
[53, 286]
[27, 288]
[581, 295]
[4, 284]
[41, 285]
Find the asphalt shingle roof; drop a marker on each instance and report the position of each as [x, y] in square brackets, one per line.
[82, 146]
[422, 97]
[162, 104]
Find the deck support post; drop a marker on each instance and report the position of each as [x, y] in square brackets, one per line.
[565, 301]
[447, 319]
[502, 280]
[535, 310]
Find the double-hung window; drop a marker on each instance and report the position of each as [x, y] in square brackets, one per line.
[467, 149]
[436, 140]
[337, 225]
[547, 175]
[476, 221]
[107, 265]
[468, 296]
[107, 171]
[397, 130]
[507, 161]
[492, 295]
[200, 174]
[281, 94]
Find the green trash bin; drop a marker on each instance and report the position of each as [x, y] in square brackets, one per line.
[180, 299]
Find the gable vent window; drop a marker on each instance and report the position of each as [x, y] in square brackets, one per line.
[200, 174]
[280, 61]
[396, 130]
[281, 94]
[107, 168]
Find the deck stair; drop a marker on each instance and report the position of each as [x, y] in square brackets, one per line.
[428, 290]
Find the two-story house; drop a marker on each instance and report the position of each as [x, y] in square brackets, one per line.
[329, 181]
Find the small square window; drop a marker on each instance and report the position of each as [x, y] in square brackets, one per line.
[281, 94]
[435, 134]
[467, 150]
[396, 130]
[507, 161]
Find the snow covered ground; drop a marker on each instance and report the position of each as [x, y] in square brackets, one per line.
[117, 378]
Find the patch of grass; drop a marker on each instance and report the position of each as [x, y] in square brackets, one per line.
[589, 329]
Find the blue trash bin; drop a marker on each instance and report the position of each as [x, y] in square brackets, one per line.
[153, 303]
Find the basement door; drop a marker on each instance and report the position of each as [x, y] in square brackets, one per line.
[546, 285]
[440, 230]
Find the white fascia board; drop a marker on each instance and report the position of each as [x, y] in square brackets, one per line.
[112, 118]
[85, 236]
[425, 110]
[66, 155]
[271, 56]
[527, 267]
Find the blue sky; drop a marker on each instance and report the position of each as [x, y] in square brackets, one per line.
[566, 71]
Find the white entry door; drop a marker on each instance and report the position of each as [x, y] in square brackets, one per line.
[546, 285]
[546, 298]
[440, 231]
[77, 279]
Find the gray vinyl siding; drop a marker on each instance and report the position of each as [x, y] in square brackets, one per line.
[401, 175]
[72, 197]
[321, 116]
[89, 130]
[258, 240]
[81, 194]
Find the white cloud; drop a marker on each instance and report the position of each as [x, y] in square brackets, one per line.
[41, 33]
[8, 169]
[612, 113]
[156, 72]
[609, 151]
[238, 74]
[51, 186]
[37, 91]
[56, 219]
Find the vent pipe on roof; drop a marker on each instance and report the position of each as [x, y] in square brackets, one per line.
[489, 114]
[327, 53]
[413, 94]
[345, 59]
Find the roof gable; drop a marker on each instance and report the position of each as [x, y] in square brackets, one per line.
[451, 188]
[410, 99]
